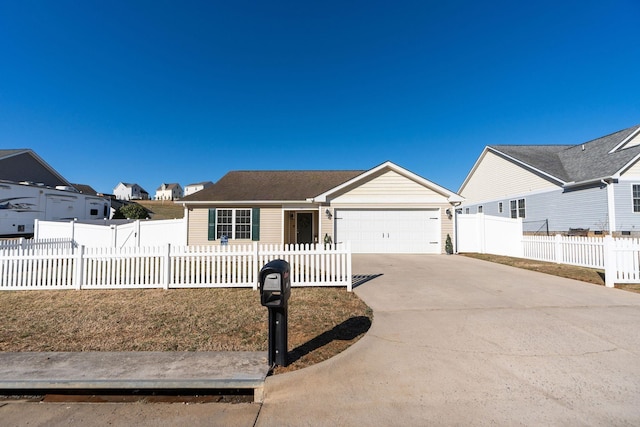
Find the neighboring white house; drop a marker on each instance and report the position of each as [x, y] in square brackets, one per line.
[126, 191]
[194, 188]
[172, 191]
[555, 188]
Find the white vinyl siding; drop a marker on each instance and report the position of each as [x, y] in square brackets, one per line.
[270, 227]
[271, 222]
[513, 179]
[626, 218]
[388, 188]
[198, 227]
[632, 172]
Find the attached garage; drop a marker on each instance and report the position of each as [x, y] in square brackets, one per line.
[390, 230]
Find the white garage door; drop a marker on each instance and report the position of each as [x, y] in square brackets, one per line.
[389, 231]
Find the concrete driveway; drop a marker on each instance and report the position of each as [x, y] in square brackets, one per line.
[457, 341]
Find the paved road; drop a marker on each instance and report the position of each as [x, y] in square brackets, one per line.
[455, 341]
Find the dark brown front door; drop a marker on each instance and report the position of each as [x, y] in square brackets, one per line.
[305, 227]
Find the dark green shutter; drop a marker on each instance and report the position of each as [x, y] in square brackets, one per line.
[212, 224]
[255, 224]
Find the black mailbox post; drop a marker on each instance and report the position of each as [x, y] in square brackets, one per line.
[275, 290]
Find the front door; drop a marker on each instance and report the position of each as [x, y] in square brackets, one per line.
[304, 227]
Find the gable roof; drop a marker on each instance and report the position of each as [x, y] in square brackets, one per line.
[167, 187]
[245, 186]
[131, 185]
[298, 186]
[601, 158]
[24, 164]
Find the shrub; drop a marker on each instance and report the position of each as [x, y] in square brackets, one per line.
[448, 245]
[131, 211]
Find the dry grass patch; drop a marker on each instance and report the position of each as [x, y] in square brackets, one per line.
[589, 275]
[163, 209]
[322, 321]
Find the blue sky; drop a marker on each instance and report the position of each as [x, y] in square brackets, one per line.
[184, 91]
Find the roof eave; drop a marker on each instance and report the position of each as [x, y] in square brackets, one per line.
[243, 202]
[527, 165]
[605, 179]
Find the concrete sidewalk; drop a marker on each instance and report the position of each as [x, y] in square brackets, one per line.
[149, 370]
[454, 341]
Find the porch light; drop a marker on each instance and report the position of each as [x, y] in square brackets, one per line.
[328, 212]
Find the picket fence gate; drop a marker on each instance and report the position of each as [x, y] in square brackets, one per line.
[62, 266]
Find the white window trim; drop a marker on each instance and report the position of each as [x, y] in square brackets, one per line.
[518, 207]
[632, 198]
[233, 223]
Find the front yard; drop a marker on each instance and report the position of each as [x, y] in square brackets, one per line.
[322, 321]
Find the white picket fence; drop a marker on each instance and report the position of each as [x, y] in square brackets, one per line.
[167, 266]
[618, 257]
[27, 244]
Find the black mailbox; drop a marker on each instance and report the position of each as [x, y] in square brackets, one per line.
[275, 290]
[275, 284]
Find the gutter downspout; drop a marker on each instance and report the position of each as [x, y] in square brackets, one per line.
[454, 206]
[611, 206]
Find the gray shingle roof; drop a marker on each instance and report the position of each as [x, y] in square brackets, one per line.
[576, 163]
[272, 185]
[5, 153]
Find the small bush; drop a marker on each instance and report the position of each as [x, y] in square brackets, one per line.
[131, 211]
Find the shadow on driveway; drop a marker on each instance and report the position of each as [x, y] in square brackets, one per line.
[345, 331]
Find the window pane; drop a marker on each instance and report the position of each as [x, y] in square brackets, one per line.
[521, 210]
[243, 224]
[636, 198]
[224, 220]
[514, 209]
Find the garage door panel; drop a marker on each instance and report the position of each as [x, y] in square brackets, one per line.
[389, 231]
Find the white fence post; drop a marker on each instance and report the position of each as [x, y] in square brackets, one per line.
[610, 265]
[114, 236]
[255, 269]
[78, 273]
[558, 256]
[481, 233]
[167, 266]
[137, 231]
[349, 270]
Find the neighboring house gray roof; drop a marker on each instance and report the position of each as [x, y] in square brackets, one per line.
[272, 185]
[129, 185]
[576, 163]
[203, 183]
[24, 164]
[85, 189]
[170, 186]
